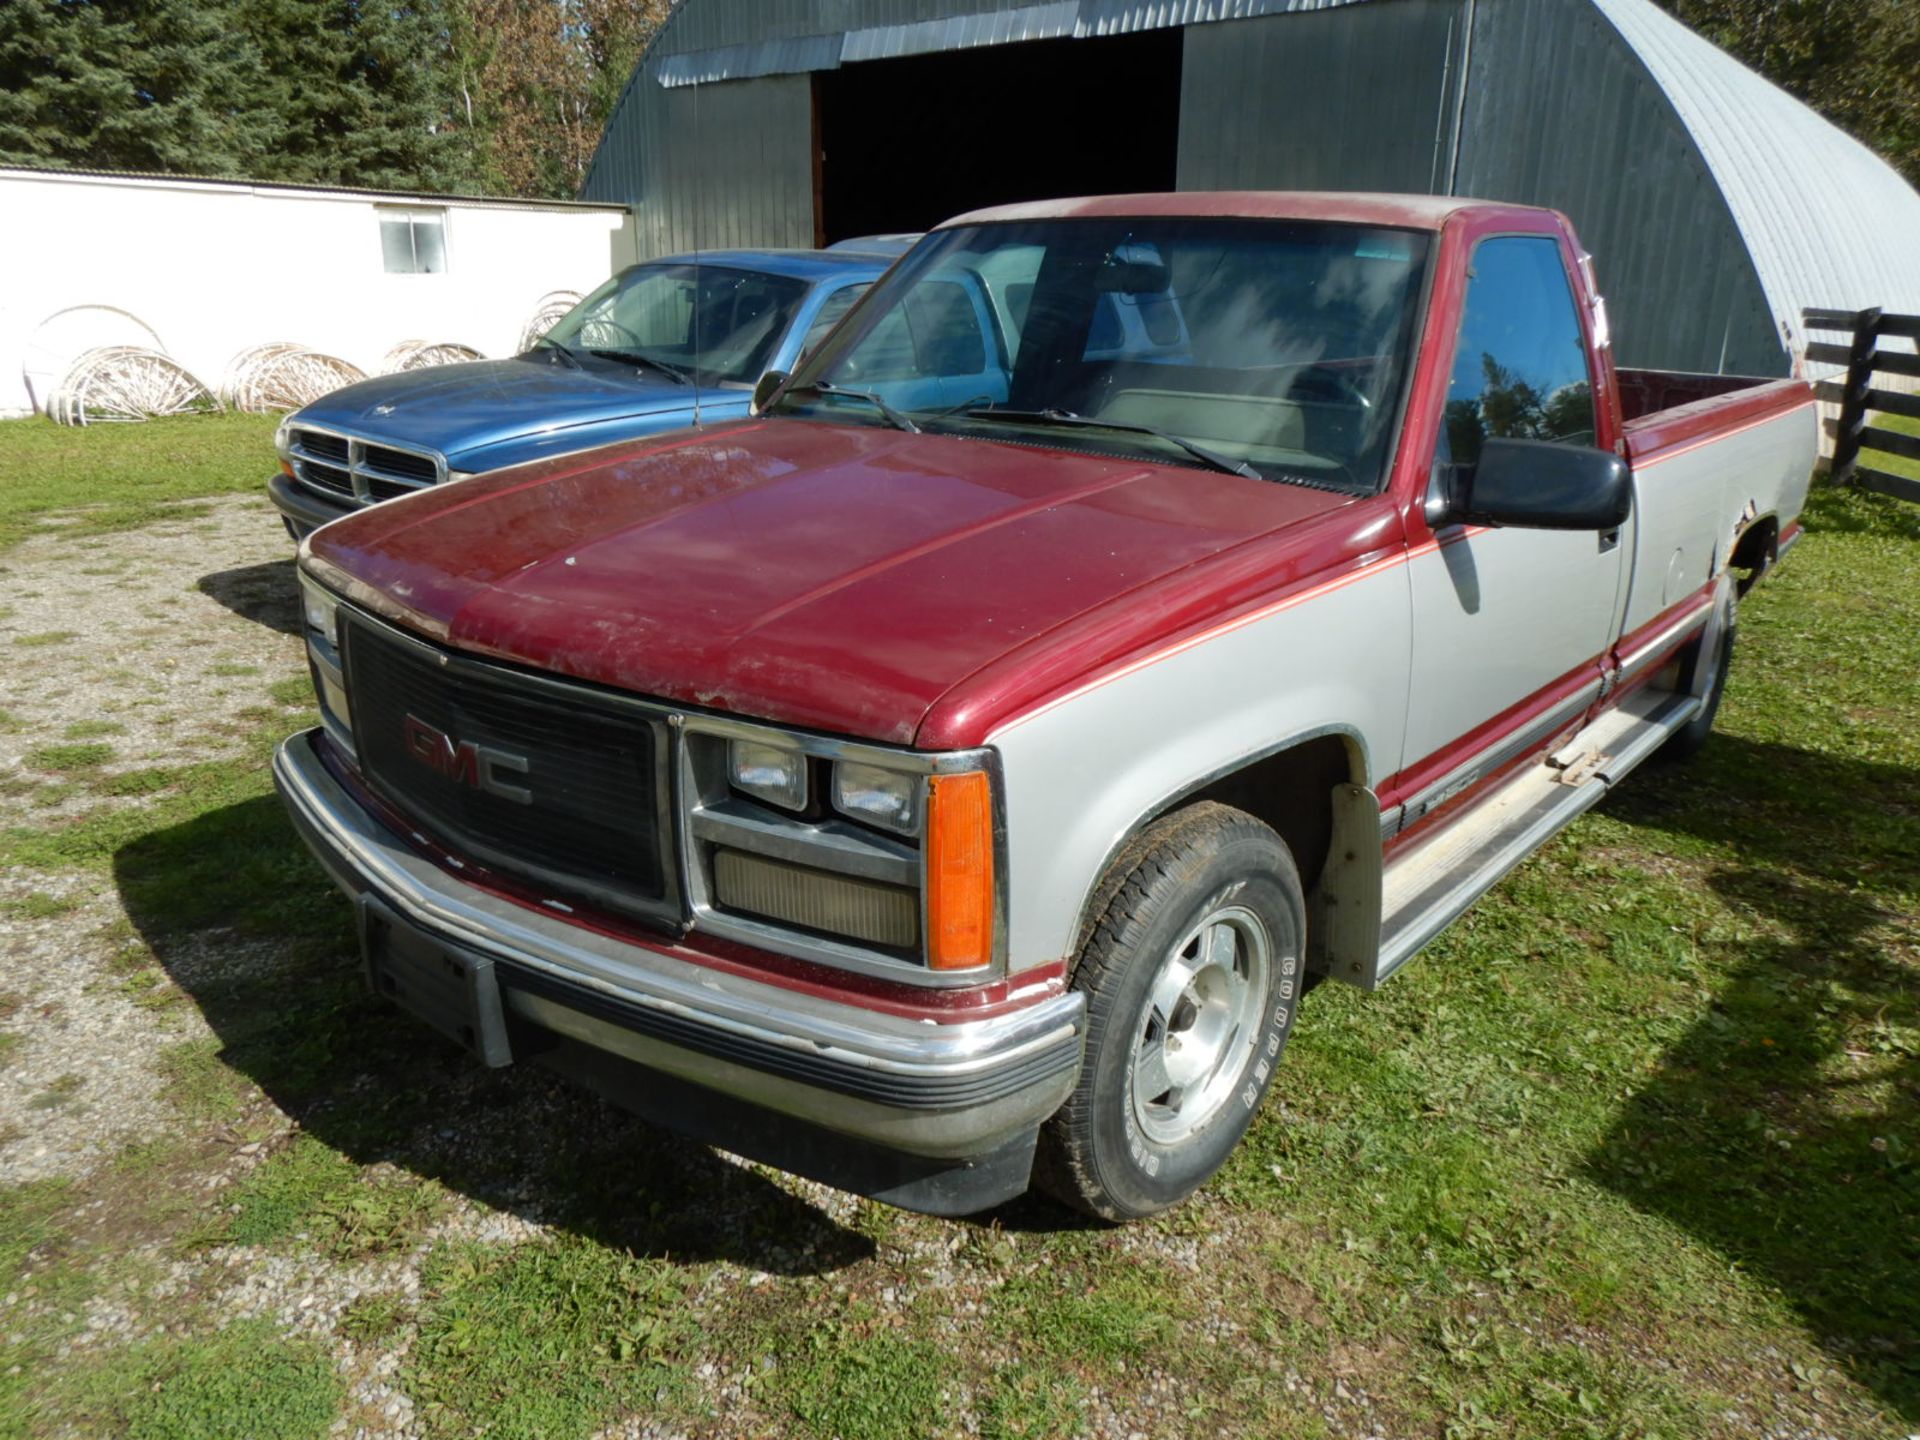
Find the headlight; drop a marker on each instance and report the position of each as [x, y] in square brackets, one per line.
[319, 607]
[321, 611]
[283, 441]
[887, 798]
[769, 772]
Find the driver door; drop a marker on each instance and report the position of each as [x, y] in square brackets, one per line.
[1510, 626]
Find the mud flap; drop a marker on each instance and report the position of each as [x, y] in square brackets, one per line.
[453, 990]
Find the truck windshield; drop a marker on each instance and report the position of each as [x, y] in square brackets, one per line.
[1274, 348]
[722, 322]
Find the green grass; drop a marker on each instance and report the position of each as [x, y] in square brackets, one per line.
[245, 1380]
[1894, 464]
[295, 692]
[68, 758]
[1633, 1151]
[313, 1192]
[873, 1384]
[114, 477]
[36, 905]
[546, 1340]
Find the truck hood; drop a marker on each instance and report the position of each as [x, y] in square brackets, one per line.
[456, 409]
[841, 578]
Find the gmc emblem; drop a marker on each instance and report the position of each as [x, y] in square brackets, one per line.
[465, 763]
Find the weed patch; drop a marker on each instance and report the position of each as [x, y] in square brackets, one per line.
[547, 1339]
[313, 1191]
[37, 905]
[245, 1380]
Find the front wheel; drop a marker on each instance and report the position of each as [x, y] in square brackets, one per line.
[1192, 972]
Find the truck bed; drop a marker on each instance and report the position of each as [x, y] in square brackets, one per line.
[1669, 409]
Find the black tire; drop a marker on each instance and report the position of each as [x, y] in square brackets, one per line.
[1205, 863]
[1686, 742]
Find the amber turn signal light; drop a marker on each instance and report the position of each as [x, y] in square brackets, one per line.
[959, 871]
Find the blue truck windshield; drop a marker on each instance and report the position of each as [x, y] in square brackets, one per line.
[1268, 347]
[722, 322]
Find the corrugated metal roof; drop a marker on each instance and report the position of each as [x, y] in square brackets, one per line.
[1116, 17]
[878, 30]
[789, 56]
[962, 32]
[1828, 223]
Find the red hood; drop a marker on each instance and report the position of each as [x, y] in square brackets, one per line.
[842, 578]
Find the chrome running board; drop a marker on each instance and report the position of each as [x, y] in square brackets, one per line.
[1432, 882]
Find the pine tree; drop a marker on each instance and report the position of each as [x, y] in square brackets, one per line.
[353, 94]
[125, 85]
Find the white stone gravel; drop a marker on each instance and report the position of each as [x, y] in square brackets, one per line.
[135, 631]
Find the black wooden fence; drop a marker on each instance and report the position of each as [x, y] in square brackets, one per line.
[1857, 396]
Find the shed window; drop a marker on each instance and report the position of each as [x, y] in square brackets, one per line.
[413, 242]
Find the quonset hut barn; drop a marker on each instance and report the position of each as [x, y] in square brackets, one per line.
[1716, 205]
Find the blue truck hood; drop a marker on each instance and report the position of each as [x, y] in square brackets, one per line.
[461, 409]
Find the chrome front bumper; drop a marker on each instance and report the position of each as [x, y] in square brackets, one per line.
[942, 1091]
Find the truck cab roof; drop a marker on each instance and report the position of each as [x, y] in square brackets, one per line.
[1414, 212]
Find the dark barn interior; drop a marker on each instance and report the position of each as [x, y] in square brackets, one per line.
[904, 144]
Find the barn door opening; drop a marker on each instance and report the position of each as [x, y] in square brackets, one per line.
[904, 144]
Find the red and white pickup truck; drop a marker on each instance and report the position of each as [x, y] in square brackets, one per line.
[955, 774]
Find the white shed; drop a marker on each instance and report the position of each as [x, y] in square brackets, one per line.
[214, 266]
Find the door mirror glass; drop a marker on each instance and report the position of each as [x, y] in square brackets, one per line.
[1544, 485]
[763, 390]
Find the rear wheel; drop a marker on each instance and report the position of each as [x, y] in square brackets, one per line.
[1192, 973]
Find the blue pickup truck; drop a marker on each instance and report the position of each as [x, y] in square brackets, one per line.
[632, 359]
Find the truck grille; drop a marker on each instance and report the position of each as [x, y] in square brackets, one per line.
[534, 779]
[360, 470]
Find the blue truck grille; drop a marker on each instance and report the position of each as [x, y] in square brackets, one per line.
[358, 469]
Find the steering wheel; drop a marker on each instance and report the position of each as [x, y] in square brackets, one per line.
[1326, 384]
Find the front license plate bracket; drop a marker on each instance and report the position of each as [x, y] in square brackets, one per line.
[449, 988]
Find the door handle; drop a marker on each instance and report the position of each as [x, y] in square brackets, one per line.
[1609, 540]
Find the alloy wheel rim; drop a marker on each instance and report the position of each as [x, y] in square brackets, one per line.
[1199, 1025]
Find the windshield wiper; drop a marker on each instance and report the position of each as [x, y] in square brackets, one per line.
[573, 360]
[892, 416]
[634, 357]
[1054, 415]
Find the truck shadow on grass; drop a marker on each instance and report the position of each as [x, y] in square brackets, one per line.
[1780, 1130]
[267, 594]
[281, 988]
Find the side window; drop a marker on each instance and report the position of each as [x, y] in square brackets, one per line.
[831, 309]
[1520, 372]
[946, 330]
[934, 332]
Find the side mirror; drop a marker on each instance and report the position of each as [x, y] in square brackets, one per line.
[1539, 485]
[763, 389]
